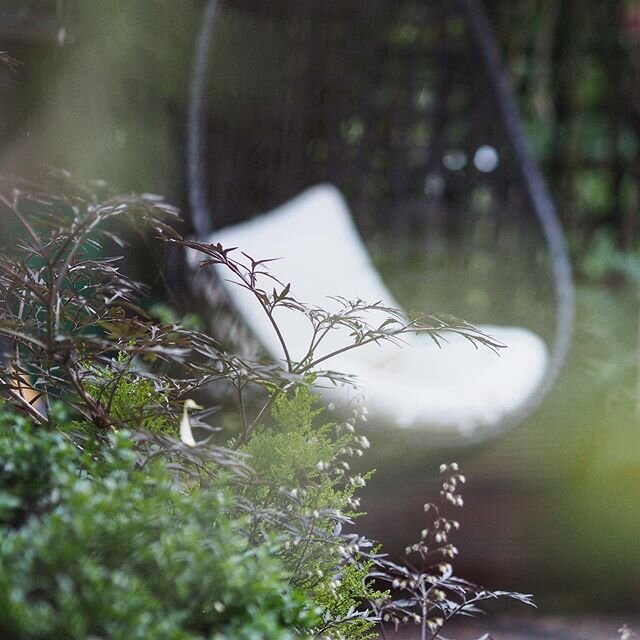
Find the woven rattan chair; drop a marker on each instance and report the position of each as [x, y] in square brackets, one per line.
[403, 111]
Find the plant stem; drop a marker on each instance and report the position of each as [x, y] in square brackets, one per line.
[23, 221]
[243, 413]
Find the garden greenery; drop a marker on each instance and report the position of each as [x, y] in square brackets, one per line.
[117, 521]
[93, 546]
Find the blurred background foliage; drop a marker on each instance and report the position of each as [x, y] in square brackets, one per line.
[101, 89]
[104, 88]
[576, 69]
[552, 507]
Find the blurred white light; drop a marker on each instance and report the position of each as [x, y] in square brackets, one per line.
[434, 185]
[454, 160]
[486, 158]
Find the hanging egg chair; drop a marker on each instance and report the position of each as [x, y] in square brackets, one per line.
[376, 147]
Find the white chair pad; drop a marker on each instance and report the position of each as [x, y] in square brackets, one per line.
[450, 390]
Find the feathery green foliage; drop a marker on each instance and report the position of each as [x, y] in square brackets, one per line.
[131, 399]
[303, 473]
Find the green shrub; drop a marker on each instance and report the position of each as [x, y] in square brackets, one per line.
[132, 400]
[31, 468]
[302, 472]
[106, 550]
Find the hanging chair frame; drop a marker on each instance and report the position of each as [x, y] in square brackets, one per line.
[527, 168]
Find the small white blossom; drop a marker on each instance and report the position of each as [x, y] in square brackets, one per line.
[186, 434]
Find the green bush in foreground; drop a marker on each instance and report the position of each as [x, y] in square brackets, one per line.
[91, 546]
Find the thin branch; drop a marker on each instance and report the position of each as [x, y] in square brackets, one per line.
[27, 406]
[23, 221]
[243, 413]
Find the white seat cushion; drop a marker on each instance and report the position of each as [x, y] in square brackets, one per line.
[454, 389]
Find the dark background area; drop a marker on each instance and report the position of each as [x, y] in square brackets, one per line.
[573, 65]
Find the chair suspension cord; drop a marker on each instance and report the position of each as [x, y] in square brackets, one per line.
[536, 192]
[196, 125]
